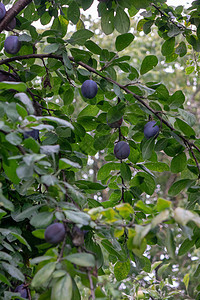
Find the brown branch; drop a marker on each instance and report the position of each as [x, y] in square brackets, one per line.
[12, 12]
[63, 246]
[163, 14]
[91, 286]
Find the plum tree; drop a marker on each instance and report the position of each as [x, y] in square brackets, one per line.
[11, 25]
[151, 129]
[12, 44]
[122, 150]
[89, 89]
[115, 124]
[31, 133]
[21, 289]
[55, 233]
[2, 11]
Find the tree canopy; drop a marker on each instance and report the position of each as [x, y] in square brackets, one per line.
[99, 150]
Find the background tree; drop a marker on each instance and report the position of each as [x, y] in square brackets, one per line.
[131, 231]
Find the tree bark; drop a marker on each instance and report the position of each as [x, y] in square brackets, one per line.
[12, 12]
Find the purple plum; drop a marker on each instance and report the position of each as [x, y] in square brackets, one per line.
[21, 289]
[55, 233]
[89, 89]
[12, 44]
[31, 133]
[150, 129]
[122, 150]
[2, 11]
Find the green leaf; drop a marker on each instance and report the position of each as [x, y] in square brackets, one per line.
[144, 181]
[170, 243]
[179, 163]
[82, 259]
[121, 21]
[185, 128]
[39, 259]
[186, 280]
[186, 246]
[157, 166]
[6, 203]
[107, 22]
[18, 86]
[10, 171]
[123, 41]
[177, 100]
[105, 170]
[148, 63]
[181, 49]
[80, 37]
[121, 270]
[86, 4]
[43, 275]
[125, 210]
[4, 280]
[141, 3]
[115, 113]
[13, 138]
[178, 186]
[54, 119]
[168, 47]
[125, 171]
[78, 217]
[13, 271]
[163, 204]
[65, 163]
[41, 220]
[26, 101]
[148, 147]
[93, 47]
[189, 70]
[183, 216]
[73, 12]
[62, 288]
[52, 48]
[187, 116]
[162, 269]
[101, 142]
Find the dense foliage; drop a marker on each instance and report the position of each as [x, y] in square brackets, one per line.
[71, 108]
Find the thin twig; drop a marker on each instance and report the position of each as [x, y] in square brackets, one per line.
[163, 14]
[91, 286]
[107, 64]
[63, 246]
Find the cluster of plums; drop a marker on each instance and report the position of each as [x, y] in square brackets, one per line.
[122, 149]
[12, 44]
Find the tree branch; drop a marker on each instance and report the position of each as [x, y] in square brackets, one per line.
[12, 12]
